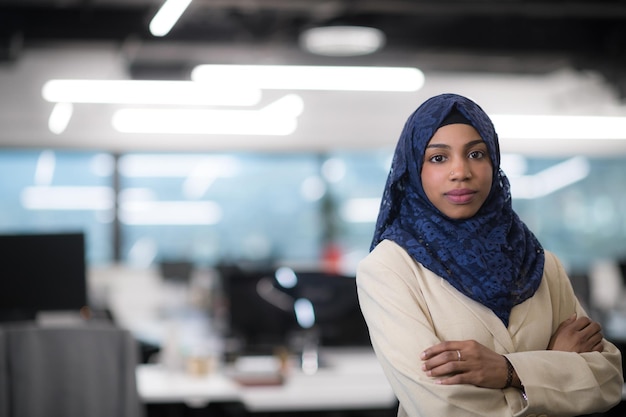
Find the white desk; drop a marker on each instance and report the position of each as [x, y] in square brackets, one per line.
[350, 380]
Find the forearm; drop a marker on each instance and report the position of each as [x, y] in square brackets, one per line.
[569, 383]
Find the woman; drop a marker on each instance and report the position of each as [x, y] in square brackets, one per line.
[467, 313]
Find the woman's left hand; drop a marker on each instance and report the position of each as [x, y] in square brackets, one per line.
[465, 362]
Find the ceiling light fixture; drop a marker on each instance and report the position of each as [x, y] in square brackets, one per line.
[279, 118]
[342, 40]
[148, 92]
[301, 77]
[60, 117]
[560, 127]
[167, 16]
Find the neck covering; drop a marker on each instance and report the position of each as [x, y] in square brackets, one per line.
[492, 257]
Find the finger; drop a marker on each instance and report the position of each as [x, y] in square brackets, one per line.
[439, 348]
[594, 341]
[445, 370]
[598, 347]
[451, 380]
[567, 322]
[582, 323]
[593, 328]
[441, 359]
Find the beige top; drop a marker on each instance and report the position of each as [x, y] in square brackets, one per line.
[408, 309]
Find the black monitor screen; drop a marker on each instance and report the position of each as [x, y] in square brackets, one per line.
[41, 272]
[263, 313]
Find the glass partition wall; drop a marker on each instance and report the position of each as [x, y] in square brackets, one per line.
[144, 208]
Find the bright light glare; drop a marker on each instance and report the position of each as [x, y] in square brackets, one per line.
[286, 277]
[295, 77]
[360, 210]
[305, 314]
[176, 166]
[342, 40]
[67, 198]
[60, 117]
[148, 92]
[46, 166]
[167, 16]
[278, 118]
[559, 127]
[170, 213]
[551, 179]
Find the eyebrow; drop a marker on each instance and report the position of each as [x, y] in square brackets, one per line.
[467, 145]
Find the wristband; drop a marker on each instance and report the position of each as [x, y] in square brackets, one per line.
[509, 374]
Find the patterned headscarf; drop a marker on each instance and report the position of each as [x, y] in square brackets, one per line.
[492, 257]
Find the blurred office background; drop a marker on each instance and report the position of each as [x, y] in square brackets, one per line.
[302, 190]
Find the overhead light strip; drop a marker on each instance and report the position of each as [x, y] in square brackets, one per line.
[560, 127]
[167, 16]
[279, 118]
[298, 77]
[149, 92]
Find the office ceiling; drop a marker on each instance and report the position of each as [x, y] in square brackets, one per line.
[513, 56]
[459, 35]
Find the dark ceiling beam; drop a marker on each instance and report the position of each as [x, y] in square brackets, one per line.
[611, 10]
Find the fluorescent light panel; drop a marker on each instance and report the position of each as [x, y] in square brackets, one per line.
[60, 117]
[342, 40]
[148, 92]
[298, 77]
[278, 118]
[167, 16]
[560, 127]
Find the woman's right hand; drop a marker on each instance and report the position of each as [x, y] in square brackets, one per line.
[577, 334]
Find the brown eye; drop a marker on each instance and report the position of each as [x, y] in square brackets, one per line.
[437, 158]
[476, 154]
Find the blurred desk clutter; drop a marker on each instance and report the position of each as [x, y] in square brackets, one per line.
[351, 380]
[267, 339]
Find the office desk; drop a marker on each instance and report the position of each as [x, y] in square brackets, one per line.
[348, 380]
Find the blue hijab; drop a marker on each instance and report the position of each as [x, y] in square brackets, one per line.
[492, 257]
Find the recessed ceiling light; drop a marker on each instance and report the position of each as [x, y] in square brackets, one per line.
[342, 40]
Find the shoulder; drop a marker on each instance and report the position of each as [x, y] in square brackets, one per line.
[390, 263]
[556, 279]
[552, 263]
[386, 255]
[553, 272]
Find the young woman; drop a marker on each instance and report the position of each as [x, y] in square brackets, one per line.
[467, 313]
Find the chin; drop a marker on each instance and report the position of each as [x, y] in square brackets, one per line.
[460, 214]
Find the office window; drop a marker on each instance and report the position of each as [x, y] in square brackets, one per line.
[576, 206]
[52, 191]
[355, 181]
[209, 208]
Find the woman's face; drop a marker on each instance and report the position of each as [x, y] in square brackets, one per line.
[457, 172]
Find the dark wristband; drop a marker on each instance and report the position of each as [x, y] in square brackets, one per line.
[509, 373]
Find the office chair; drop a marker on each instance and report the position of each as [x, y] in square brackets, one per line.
[85, 370]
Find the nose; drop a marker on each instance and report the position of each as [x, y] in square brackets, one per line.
[460, 171]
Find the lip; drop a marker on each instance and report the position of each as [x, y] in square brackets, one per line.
[460, 196]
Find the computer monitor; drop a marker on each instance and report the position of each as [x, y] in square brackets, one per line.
[41, 273]
[262, 310]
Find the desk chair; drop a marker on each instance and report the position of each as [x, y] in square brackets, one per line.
[85, 370]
